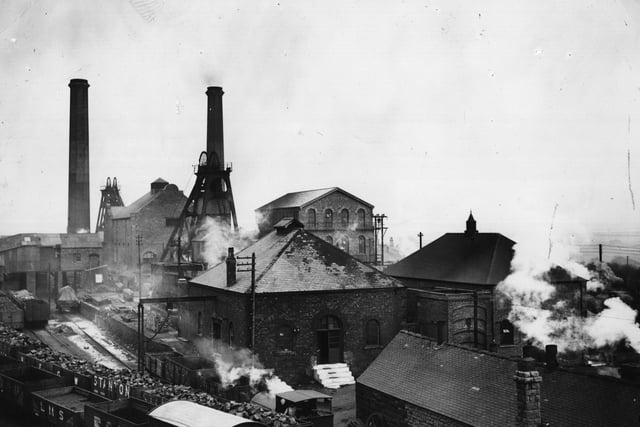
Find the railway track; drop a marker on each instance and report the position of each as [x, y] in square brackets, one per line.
[87, 342]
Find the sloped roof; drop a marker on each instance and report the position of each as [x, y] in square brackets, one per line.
[481, 258]
[82, 240]
[302, 198]
[298, 261]
[121, 212]
[477, 388]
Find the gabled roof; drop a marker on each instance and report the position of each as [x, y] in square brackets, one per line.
[480, 258]
[121, 212]
[298, 261]
[477, 388]
[300, 199]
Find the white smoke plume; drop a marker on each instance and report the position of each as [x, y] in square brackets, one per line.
[217, 236]
[544, 319]
[233, 365]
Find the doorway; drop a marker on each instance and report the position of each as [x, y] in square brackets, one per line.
[330, 342]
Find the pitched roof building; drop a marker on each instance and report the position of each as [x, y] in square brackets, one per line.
[333, 214]
[314, 304]
[415, 382]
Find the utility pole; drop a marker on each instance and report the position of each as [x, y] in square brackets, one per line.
[600, 252]
[420, 237]
[378, 224]
[138, 243]
[250, 266]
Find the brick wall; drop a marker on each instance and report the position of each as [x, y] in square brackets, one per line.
[396, 412]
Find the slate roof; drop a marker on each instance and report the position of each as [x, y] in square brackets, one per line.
[481, 258]
[300, 199]
[121, 212]
[477, 388]
[298, 261]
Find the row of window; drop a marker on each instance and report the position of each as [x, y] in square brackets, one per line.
[343, 244]
[312, 220]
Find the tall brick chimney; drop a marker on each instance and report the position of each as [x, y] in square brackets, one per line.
[528, 394]
[215, 136]
[231, 268]
[78, 214]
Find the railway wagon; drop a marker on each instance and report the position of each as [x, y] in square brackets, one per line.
[17, 384]
[78, 379]
[155, 363]
[62, 406]
[7, 363]
[10, 314]
[118, 413]
[36, 311]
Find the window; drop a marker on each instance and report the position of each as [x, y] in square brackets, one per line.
[216, 329]
[372, 332]
[328, 219]
[77, 257]
[343, 244]
[284, 338]
[231, 337]
[329, 239]
[199, 331]
[344, 218]
[506, 333]
[362, 245]
[148, 257]
[311, 218]
[360, 214]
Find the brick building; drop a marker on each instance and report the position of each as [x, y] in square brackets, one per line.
[152, 217]
[333, 214]
[314, 304]
[416, 382]
[26, 260]
[452, 283]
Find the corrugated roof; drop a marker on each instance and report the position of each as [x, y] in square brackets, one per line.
[298, 261]
[184, 413]
[303, 198]
[477, 388]
[481, 258]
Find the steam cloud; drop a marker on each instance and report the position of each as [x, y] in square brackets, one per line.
[218, 236]
[232, 365]
[544, 320]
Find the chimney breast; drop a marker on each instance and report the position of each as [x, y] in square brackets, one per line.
[231, 268]
[78, 214]
[528, 393]
[215, 136]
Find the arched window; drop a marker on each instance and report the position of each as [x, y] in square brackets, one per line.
[329, 239]
[148, 257]
[328, 219]
[360, 214]
[284, 338]
[216, 328]
[330, 322]
[231, 337]
[311, 219]
[344, 218]
[506, 333]
[372, 332]
[199, 325]
[362, 245]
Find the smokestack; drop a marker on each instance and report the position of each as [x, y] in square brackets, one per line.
[78, 215]
[215, 137]
[231, 268]
[528, 393]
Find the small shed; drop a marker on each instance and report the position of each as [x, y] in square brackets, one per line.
[183, 413]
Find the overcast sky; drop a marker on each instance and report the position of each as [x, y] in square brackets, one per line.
[426, 109]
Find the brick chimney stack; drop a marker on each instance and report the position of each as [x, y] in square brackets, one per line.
[528, 394]
[78, 213]
[231, 268]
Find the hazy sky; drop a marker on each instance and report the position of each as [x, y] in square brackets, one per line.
[426, 109]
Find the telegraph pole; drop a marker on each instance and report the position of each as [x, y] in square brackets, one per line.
[378, 224]
[420, 237]
[138, 243]
[250, 266]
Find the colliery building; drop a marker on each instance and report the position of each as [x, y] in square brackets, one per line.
[333, 214]
[310, 304]
[149, 220]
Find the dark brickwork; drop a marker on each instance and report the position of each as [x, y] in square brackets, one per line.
[300, 312]
[396, 412]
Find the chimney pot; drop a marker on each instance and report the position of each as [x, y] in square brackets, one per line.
[231, 268]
